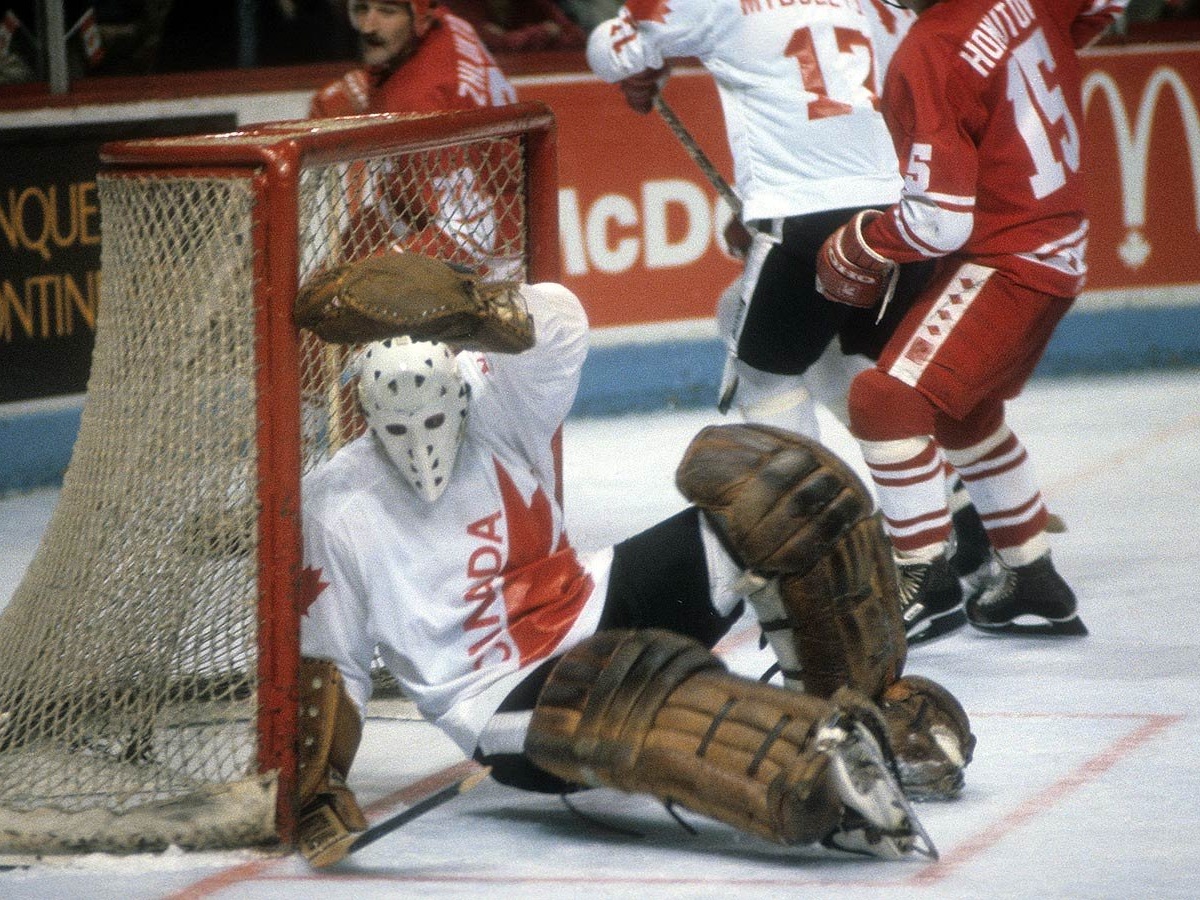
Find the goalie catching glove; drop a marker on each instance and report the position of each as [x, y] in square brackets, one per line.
[410, 294]
[850, 272]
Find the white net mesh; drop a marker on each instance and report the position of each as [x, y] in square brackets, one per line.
[130, 676]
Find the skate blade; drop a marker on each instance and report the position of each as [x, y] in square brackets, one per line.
[851, 748]
[1072, 627]
[938, 626]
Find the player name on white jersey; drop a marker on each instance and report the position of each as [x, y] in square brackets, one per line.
[749, 7]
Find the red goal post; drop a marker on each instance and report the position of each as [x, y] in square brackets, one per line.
[148, 679]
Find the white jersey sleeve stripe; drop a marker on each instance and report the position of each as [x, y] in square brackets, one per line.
[930, 228]
[948, 201]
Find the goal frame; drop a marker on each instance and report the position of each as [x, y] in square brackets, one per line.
[275, 154]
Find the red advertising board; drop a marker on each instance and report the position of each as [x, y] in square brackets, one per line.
[1143, 163]
[640, 224]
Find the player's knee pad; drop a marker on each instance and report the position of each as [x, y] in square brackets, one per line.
[883, 408]
[931, 734]
[783, 401]
[329, 732]
[655, 712]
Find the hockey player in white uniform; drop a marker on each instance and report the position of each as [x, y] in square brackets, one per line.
[799, 85]
[438, 538]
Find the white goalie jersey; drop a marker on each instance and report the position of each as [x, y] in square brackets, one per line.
[462, 595]
[799, 86]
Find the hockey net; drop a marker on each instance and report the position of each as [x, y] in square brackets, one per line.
[147, 679]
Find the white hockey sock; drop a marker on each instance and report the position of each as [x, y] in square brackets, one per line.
[1002, 484]
[910, 480]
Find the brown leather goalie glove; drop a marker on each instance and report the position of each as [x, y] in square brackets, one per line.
[410, 294]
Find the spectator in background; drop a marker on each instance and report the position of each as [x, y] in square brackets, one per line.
[418, 58]
[507, 26]
[415, 58]
[18, 48]
[206, 36]
[1157, 10]
[587, 14]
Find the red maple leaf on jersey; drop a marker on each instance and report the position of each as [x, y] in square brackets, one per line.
[311, 587]
[649, 10]
[545, 587]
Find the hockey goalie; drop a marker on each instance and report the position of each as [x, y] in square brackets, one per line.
[438, 538]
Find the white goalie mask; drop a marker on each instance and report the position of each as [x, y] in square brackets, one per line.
[415, 402]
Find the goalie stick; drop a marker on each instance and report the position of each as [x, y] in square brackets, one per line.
[432, 801]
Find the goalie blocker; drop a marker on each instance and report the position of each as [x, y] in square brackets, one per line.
[329, 732]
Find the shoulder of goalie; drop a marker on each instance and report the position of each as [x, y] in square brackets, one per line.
[850, 272]
[410, 294]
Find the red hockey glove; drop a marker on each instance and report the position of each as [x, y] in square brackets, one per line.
[641, 89]
[849, 271]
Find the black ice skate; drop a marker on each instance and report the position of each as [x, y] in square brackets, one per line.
[970, 553]
[931, 599]
[1031, 600]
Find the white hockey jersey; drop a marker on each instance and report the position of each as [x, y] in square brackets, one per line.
[799, 86]
[462, 596]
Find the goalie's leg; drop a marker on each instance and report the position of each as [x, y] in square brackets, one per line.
[822, 582]
[329, 733]
[654, 712]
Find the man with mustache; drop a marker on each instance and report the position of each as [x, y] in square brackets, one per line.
[416, 58]
[419, 58]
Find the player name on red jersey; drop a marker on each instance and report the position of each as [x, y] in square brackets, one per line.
[1000, 26]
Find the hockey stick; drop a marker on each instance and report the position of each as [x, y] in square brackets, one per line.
[729, 379]
[699, 157]
[431, 802]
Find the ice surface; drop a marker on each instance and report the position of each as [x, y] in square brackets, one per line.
[1084, 783]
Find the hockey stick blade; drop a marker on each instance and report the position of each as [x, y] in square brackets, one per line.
[433, 801]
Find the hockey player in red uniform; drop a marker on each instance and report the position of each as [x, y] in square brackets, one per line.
[983, 103]
[418, 58]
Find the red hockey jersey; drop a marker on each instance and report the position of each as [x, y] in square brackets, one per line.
[983, 103]
[451, 69]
